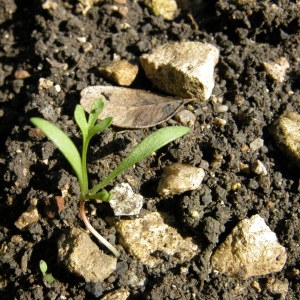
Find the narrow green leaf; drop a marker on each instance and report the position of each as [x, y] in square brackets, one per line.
[96, 109]
[64, 144]
[80, 118]
[101, 126]
[149, 145]
[43, 267]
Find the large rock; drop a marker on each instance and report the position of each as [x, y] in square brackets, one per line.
[184, 69]
[286, 132]
[251, 249]
[144, 236]
[81, 256]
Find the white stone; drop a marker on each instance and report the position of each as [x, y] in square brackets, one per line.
[286, 132]
[165, 8]
[259, 168]
[178, 178]
[277, 70]
[184, 69]
[45, 84]
[124, 201]
[144, 236]
[82, 257]
[251, 249]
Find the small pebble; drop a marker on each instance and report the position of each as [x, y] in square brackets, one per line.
[259, 168]
[256, 144]
[185, 117]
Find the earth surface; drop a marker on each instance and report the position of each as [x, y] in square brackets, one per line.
[46, 43]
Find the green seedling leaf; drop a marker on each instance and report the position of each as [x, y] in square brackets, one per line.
[80, 118]
[63, 143]
[49, 277]
[43, 267]
[96, 109]
[101, 126]
[149, 145]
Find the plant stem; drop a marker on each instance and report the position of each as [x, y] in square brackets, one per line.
[95, 232]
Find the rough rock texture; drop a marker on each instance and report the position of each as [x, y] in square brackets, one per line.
[183, 69]
[121, 71]
[145, 236]
[251, 249]
[277, 70]
[165, 8]
[178, 178]
[124, 201]
[28, 217]
[120, 294]
[82, 256]
[286, 132]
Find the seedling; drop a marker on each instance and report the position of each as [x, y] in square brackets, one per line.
[46, 276]
[89, 128]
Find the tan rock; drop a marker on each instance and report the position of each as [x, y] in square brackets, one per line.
[251, 249]
[183, 69]
[121, 71]
[277, 287]
[165, 8]
[81, 256]
[144, 236]
[27, 218]
[120, 294]
[178, 178]
[277, 70]
[286, 132]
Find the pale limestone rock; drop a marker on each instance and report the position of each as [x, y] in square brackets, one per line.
[286, 132]
[185, 117]
[259, 168]
[183, 69]
[277, 287]
[251, 249]
[120, 71]
[178, 178]
[277, 70]
[256, 144]
[165, 8]
[45, 84]
[28, 217]
[144, 236]
[81, 256]
[120, 294]
[124, 201]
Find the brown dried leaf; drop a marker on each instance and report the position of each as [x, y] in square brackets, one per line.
[131, 108]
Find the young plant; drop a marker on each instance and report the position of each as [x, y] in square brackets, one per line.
[46, 276]
[89, 128]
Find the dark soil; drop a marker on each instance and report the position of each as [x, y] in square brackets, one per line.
[43, 41]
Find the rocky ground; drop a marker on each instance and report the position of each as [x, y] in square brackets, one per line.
[245, 137]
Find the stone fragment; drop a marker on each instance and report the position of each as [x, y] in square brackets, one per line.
[145, 236]
[178, 178]
[277, 70]
[286, 132]
[81, 256]
[21, 74]
[120, 71]
[45, 84]
[251, 249]
[124, 201]
[27, 218]
[165, 8]
[120, 294]
[259, 168]
[183, 69]
[185, 117]
[277, 287]
[256, 144]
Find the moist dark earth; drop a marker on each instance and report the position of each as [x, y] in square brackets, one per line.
[44, 42]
